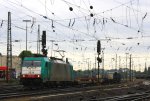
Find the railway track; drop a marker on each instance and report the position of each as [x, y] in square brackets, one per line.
[29, 93]
[40, 92]
[35, 92]
[131, 97]
[57, 91]
[10, 88]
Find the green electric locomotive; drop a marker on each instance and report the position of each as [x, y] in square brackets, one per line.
[44, 71]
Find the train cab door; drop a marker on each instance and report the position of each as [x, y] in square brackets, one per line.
[47, 71]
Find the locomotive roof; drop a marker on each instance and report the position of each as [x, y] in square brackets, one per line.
[45, 59]
[59, 61]
[36, 58]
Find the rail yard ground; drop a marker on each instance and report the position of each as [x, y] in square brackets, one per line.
[87, 93]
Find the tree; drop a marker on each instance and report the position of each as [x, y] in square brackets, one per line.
[25, 53]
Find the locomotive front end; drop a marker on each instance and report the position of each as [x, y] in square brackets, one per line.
[31, 73]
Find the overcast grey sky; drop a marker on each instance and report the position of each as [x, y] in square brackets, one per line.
[121, 25]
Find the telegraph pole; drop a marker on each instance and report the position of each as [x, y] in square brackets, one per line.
[90, 70]
[26, 32]
[130, 68]
[95, 63]
[52, 47]
[116, 63]
[1, 58]
[87, 60]
[98, 70]
[9, 46]
[38, 40]
[119, 62]
[126, 67]
[103, 63]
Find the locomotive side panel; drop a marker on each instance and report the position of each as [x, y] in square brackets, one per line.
[48, 69]
[71, 72]
[60, 72]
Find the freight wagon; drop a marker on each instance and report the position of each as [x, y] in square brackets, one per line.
[44, 71]
[111, 78]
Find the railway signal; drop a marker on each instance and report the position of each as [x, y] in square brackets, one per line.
[45, 52]
[98, 47]
[44, 43]
[44, 39]
[98, 58]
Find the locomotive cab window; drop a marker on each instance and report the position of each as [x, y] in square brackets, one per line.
[31, 63]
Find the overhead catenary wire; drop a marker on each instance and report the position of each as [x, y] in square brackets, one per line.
[78, 31]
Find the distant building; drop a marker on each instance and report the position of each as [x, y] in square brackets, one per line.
[15, 61]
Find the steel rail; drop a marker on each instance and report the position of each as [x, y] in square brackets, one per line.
[129, 97]
[57, 90]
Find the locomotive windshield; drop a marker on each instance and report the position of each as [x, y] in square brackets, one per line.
[31, 63]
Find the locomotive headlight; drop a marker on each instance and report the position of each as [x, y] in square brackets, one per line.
[38, 76]
[23, 76]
